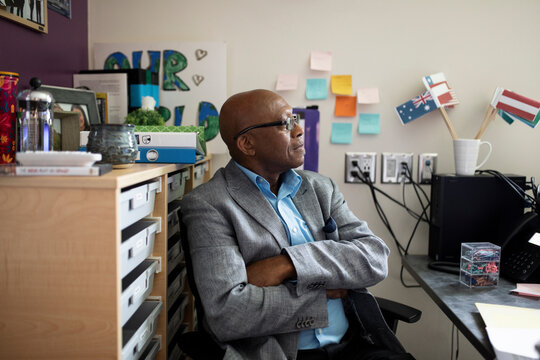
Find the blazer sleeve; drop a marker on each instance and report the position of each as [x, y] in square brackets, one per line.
[235, 309]
[357, 259]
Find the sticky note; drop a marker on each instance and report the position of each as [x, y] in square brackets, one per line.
[345, 106]
[341, 133]
[316, 89]
[321, 60]
[342, 84]
[286, 82]
[368, 96]
[369, 123]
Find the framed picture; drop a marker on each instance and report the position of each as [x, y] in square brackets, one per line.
[103, 107]
[31, 13]
[81, 101]
[62, 7]
[66, 131]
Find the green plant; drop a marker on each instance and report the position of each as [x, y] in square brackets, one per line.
[145, 117]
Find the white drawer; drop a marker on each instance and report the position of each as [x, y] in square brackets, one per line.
[173, 221]
[173, 263]
[136, 287]
[137, 244]
[152, 349]
[138, 202]
[198, 173]
[175, 320]
[174, 251]
[139, 330]
[176, 184]
[176, 287]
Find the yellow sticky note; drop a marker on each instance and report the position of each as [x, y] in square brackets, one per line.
[345, 106]
[342, 84]
[368, 96]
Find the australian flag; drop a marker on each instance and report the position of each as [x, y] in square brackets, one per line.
[413, 109]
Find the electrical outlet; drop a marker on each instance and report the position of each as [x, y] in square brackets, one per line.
[427, 166]
[362, 163]
[393, 170]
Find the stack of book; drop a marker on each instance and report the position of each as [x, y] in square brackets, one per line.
[60, 163]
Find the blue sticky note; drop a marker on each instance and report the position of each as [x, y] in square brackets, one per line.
[316, 89]
[369, 123]
[341, 133]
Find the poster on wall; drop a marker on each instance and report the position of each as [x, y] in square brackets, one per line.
[29, 13]
[192, 79]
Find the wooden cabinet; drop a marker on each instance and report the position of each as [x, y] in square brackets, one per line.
[60, 276]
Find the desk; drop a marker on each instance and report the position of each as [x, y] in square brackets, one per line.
[457, 301]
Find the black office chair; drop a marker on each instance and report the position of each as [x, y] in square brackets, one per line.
[199, 345]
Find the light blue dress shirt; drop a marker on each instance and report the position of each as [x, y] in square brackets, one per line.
[299, 233]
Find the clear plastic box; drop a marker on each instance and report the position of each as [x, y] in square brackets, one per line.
[479, 265]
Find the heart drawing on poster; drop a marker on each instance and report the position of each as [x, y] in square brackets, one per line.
[199, 53]
[197, 79]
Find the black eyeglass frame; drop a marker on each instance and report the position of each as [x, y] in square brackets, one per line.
[290, 124]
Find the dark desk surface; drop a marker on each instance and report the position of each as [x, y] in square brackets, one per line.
[458, 301]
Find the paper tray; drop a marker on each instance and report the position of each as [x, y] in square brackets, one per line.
[198, 173]
[139, 330]
[137, 244]
[176, 184]
[136, 286]
[137, 203]
[152, 349]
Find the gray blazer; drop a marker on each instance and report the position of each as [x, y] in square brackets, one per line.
[230, 224]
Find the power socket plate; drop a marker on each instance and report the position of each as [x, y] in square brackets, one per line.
[392, 170]
[365, 162]
[427, 166]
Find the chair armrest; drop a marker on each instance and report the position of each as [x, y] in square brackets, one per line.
[399, 311]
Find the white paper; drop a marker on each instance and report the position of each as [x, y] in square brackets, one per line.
[514, 344]
[115, 85]
[513, 331]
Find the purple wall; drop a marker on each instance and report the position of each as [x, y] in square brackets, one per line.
[52, 57]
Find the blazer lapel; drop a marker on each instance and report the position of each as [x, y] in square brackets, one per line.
[307, 204]
[249, 197]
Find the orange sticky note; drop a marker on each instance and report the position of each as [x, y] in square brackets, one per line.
[345, 106]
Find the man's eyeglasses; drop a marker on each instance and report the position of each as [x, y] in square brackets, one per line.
[289, 125]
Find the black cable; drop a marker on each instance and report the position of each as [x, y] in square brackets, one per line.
[366, 180]
[401, 250]
[363, 179]
[529, 200]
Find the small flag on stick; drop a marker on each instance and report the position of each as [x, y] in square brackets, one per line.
[441, 91]
[443, 96]
[516, 104]
[416, 107]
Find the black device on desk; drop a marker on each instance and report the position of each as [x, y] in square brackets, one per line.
[520, 253]
[471, 209]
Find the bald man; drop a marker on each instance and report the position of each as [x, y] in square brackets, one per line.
[280, 262]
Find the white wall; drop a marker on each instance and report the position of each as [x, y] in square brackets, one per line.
[478, 44]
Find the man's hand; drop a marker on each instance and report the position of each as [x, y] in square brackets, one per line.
[336, 293]
[271, 271]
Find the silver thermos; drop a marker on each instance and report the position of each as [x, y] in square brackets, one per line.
[34, 119]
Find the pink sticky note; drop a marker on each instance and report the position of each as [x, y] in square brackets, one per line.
[321, 60]
[286, 82]
[368, 96]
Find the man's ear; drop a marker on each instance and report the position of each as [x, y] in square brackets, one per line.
[246, 145]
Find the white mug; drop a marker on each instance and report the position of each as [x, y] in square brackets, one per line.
[466, 155]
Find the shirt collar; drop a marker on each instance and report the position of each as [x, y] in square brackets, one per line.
[290, 181]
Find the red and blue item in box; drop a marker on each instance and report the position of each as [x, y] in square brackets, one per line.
[8, 116]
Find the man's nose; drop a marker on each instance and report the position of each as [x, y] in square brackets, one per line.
[297, 131]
